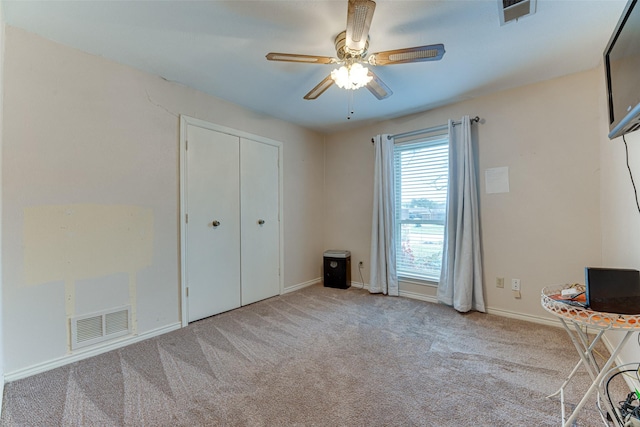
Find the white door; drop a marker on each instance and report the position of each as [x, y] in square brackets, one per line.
[259, 183]
[213, 228]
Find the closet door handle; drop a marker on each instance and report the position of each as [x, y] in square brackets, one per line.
[260, 221]
[215, 223]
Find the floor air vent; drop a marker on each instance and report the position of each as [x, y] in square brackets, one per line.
[511, 10]
[94, 328]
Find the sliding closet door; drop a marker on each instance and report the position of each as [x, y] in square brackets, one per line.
[213, 226]
[259, 183]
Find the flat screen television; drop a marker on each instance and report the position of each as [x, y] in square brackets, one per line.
[622, 68]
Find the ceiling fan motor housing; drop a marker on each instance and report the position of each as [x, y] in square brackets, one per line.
[343, 52]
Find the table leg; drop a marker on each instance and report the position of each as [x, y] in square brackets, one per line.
[588, 349]
[581, 351]
[598, 378]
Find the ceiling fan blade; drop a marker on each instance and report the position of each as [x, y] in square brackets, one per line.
[433, 52]
[290, 57]
[359, 16]
[377, 87]
[320, 88]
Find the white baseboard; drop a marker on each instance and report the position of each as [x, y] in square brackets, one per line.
[528, 317]
[497, 311]
[85, 354]
[301, 285]
[359, 285]
[406, 294]
[421, 297]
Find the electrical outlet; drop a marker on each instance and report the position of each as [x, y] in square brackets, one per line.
[360, 264]
[499, 282]
[515, 284]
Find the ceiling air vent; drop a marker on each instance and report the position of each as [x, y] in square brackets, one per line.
[511, 10]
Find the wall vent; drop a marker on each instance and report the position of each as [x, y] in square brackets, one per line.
[512, 10]
[90, 329]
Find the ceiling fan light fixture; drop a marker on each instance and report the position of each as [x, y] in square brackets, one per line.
[353, 76]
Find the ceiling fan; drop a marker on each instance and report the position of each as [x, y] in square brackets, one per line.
[351, 53]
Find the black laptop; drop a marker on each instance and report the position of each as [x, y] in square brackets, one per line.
[613, 290]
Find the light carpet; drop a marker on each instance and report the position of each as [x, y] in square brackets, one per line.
[317, 357]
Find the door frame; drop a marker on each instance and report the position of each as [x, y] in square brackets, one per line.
[184, 122]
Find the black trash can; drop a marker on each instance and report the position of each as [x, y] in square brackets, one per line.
[337, 269]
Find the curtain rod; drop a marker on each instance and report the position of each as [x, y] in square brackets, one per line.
[476, 119]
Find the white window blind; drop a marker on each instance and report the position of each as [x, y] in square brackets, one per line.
[421, 169]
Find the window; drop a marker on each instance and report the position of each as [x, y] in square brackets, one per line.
[421, 174]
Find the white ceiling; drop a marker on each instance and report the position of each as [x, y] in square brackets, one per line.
[219, 47]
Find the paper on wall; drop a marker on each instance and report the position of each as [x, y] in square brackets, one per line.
[496, 180]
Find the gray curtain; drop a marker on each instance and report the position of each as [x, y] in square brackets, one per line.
[383, 275]
[461, 277]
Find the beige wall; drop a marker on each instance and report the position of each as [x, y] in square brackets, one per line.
[90, 193]
[544, 231]
[620, 216]
[84, 135]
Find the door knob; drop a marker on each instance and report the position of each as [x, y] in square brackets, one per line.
[215, 223]
[261, 221]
